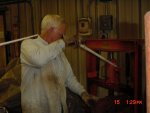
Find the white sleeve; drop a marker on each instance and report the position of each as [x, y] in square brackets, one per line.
[31, 54]
[71, 81]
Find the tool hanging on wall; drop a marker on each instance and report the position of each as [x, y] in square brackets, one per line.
[85, 22]
[106, 20]
[84, 26]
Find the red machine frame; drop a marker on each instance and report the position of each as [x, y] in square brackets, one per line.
[112, 45]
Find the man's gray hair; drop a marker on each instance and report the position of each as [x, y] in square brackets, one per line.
[51, 21]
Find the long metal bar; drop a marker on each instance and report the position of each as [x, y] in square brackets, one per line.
[17, 40]
[96, 54]
[80, 45]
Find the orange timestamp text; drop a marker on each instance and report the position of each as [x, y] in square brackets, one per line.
[130, 102]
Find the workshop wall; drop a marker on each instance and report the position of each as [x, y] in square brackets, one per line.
[127, 21]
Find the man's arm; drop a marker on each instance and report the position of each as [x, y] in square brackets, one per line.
[33, 55]
[71, 80]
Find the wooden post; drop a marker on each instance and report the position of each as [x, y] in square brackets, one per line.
[147, 50]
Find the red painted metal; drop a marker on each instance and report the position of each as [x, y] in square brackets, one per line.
[112, 73]
[112, 45]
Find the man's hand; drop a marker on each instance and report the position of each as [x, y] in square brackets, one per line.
[73, 41]
[89, 99]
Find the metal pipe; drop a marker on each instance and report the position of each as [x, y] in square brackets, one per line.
[17, 40]
[80, 45]
[96, 54]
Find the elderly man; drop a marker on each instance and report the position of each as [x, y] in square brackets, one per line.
[46, 71]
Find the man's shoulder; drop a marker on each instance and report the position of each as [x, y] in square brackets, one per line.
[28, 41]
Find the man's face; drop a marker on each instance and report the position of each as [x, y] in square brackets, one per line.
[57, 33]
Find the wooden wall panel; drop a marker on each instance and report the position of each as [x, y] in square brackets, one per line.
[126, 20]
[28, 14]
[79, 4]
[37, 14]
[113, 11]
[2, 39]
[93, 11]
[23, 19]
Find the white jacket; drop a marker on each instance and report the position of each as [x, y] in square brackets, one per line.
[45, 74]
